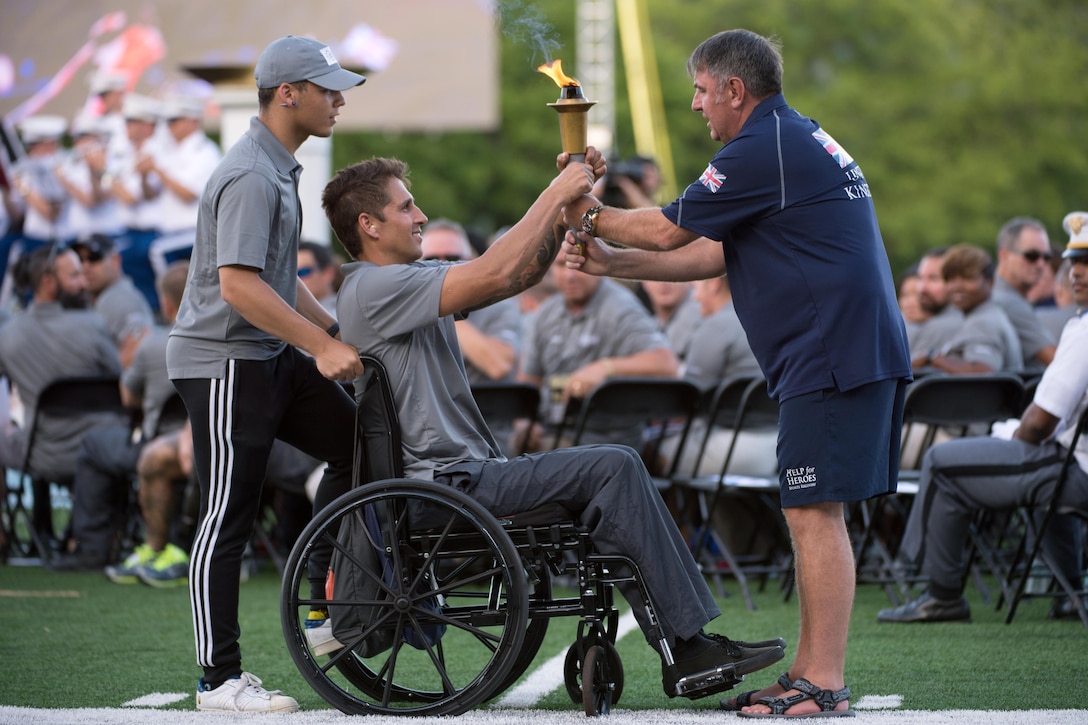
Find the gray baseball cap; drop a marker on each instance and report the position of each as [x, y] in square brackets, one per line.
[292, 58]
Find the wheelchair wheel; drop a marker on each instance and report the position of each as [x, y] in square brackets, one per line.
[598, 681]
[574, 671]
[451, 618]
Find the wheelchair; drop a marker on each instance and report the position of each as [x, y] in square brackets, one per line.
[443, 605]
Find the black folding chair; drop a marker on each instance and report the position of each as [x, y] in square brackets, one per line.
[505, 407]
[1030, 550]
[663, 407]
[63, 399]
[746, 407]
[937, 407]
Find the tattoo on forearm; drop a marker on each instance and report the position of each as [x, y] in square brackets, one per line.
[536, 266]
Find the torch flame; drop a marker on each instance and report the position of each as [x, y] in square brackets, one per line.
[554, 70]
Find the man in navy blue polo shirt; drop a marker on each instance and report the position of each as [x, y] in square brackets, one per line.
[789, 213]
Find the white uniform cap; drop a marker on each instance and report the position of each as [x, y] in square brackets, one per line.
[141, 108]
[87, 125]
[183, 107]
[1075, 225]
[106, 82]
[42, 128]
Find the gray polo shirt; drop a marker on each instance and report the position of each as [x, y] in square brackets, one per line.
[250, 216]
[614, 323]
[147, 378]
[719, 349]
[391, 313]
[124, 309]
[988, 337]
[1033, 335]
[46, 343]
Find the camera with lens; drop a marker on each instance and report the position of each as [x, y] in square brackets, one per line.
[613, 193]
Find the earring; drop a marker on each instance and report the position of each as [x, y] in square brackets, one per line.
[292, 104]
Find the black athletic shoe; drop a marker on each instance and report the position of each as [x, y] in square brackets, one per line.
[926, 608]
[711, 663]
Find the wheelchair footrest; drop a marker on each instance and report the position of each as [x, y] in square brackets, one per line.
[705, 683]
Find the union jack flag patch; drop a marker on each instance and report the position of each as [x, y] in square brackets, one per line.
[832, 147]
[712, 178]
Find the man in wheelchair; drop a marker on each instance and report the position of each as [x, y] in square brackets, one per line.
[401, 310]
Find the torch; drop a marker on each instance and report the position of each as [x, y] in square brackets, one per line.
[572, 108]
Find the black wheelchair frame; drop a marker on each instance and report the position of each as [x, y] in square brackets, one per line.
[449, 564]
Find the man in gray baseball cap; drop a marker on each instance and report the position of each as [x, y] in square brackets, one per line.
[292, 58]
[254, 356]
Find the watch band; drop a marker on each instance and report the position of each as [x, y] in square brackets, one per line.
[589, 220]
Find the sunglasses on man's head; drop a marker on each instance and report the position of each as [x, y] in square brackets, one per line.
[1033, 256]
[445, 257]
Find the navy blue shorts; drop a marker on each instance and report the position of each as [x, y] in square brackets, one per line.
[840, 446]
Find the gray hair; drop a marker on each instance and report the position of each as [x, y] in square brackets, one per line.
[756, 60]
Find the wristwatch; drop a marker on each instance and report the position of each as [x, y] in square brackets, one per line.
[589, 220]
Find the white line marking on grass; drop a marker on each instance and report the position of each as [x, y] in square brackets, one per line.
[879, 702]
[156, 699]
[55, 593]
[550, 674]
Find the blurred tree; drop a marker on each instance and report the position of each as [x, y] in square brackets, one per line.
[962, 113]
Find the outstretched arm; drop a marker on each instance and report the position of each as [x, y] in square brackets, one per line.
[521, 256]
[700, 259]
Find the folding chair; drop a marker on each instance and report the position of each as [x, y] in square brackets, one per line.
[663, 406]
[937, 407]
[1030, 549]
[748, 408]
[503, 404]
[63, 400]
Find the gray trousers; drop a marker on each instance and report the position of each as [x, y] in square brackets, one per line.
[611, 489]
[964, 476]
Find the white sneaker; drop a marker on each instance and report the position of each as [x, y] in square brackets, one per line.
[243, 694]
[319, 634]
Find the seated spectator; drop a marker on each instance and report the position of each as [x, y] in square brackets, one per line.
[113, 295]
[942, 320]
[594, 329]
[318, 268]
[1054, 317]
[960, 478]
[719, 350]
[676, 312]
[986, 342]
[108, 454]
[375, 217]
[1023, 257]
[489, 337]
[50, 340]
[54, 338]
[910, 304]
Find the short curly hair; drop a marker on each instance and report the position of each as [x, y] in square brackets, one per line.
[966, 261]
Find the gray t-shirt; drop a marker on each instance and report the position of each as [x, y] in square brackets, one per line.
[250, 216]
[1033, 335]
[681, 326]
[987, 337]
[502, 321]
[391, 313]
[147, 378]
[936, 332]
[43, 344]
[719, 349]
[124, 309]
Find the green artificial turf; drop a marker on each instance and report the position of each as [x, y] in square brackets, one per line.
[109, 643]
